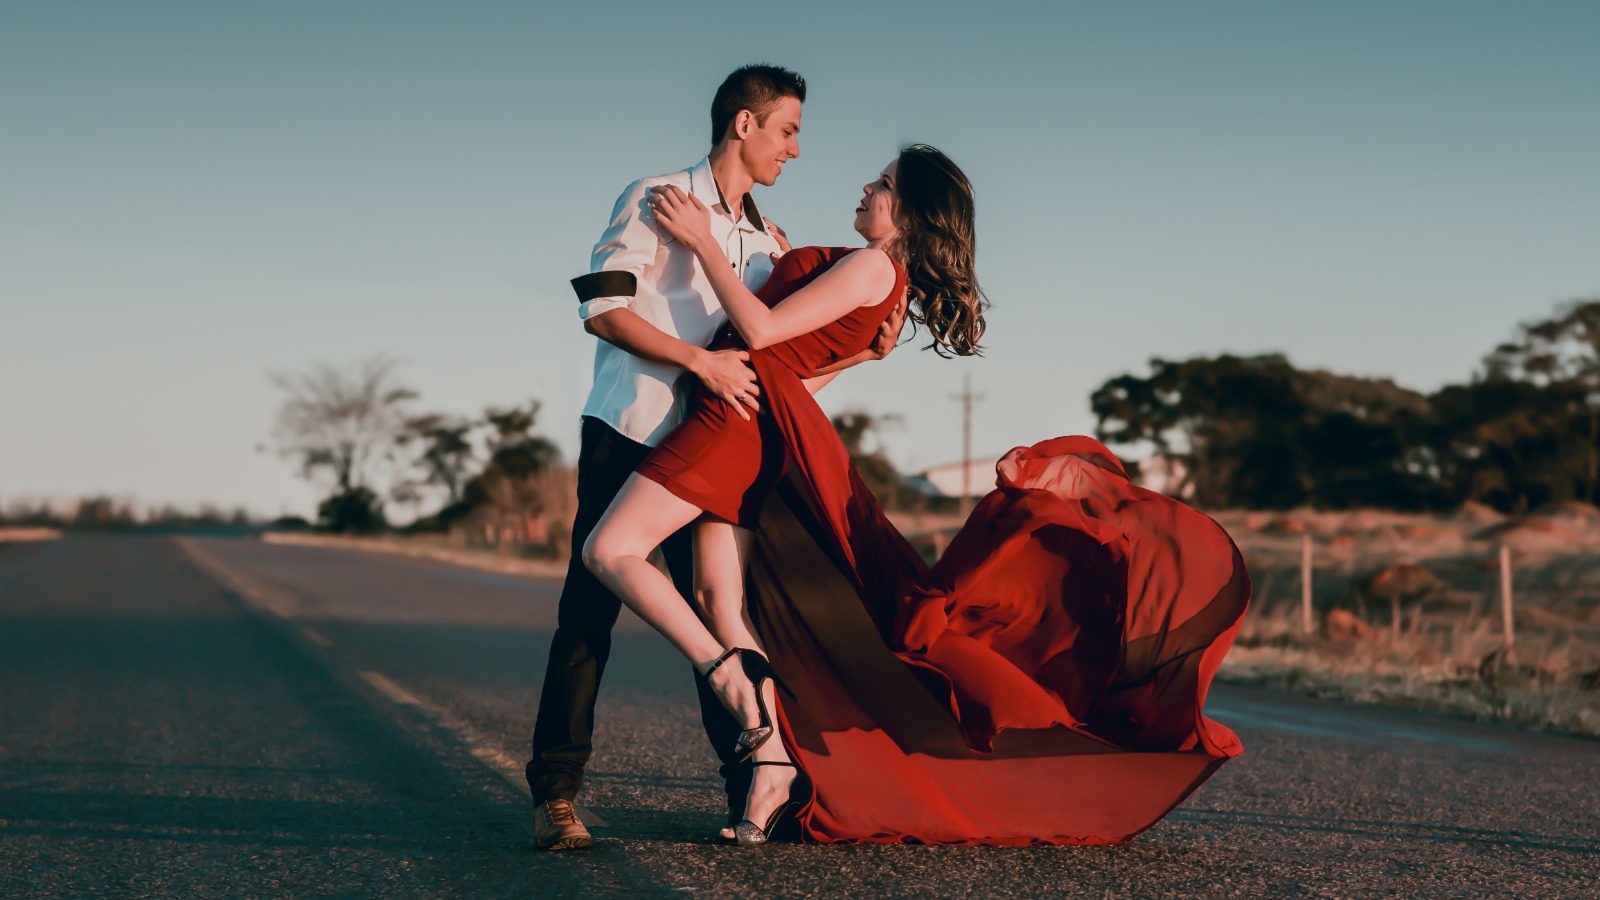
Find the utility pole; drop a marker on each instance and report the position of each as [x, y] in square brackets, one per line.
[966, 397]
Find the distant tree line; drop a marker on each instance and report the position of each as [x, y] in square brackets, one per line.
[491, 479]
[1250, 432]
[102, 512]
[1256, 432]
[354, 431]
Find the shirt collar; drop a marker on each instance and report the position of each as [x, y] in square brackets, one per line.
[704, 186]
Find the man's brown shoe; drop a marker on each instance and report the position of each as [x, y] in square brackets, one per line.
[556, 827]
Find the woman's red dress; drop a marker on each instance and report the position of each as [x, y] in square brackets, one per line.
[726, 464]
[1043, 682]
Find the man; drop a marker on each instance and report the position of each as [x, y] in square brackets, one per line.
[650, 304]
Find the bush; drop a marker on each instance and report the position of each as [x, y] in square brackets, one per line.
[355, 511]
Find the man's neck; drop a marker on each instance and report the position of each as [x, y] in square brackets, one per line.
[732, 178]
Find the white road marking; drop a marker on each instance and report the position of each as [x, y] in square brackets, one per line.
[283, 605]
[271, 600]
[391, 690]
[494, 757]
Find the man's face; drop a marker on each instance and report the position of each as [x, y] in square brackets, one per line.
[767, 147]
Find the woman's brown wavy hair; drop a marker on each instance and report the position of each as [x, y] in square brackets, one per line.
[937, 243]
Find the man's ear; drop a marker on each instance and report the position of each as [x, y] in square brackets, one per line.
[742, 123]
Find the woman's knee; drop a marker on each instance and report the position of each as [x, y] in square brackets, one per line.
[598, 552]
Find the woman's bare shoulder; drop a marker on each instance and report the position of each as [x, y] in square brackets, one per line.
[871, 269]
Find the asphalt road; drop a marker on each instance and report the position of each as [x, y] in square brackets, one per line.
[210, 717]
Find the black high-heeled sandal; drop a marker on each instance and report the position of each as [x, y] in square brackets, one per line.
[747, 832]
[756, 669]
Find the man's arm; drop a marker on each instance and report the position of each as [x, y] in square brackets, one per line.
[726, 373]
[627, 247]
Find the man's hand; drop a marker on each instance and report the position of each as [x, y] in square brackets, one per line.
[889, 332]
[727, 374]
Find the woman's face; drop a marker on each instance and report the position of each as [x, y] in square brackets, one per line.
[875, 215]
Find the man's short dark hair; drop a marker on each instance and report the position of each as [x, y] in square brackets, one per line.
[757, 88]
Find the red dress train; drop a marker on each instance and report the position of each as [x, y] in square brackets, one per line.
[1043, 682]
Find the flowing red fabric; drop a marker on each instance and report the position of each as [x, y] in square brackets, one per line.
[1043, 682]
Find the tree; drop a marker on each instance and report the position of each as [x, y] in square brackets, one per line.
[1562, 354]
[338, 423]
[1228, 421]
[856, 429]
[1257, 432]
[102, 512]
[354, 511]
[513, 488]
[1508, 443]
[444, 453]
[1358, 436]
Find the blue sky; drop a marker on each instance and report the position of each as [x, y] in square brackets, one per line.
[193, 195]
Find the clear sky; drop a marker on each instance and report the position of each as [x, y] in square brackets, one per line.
[195, 194]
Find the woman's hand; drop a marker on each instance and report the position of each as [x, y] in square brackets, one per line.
[681, 215]
[779, 236]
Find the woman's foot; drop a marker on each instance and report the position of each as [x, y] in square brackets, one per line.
[770, 789]
[730, 682]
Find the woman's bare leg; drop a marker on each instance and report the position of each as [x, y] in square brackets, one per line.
[721, 554]
[642, 516]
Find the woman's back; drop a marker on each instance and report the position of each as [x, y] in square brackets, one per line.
[842, 338]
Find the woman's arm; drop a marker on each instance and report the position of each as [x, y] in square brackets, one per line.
[862, 278]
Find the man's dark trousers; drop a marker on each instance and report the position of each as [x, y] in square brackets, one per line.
[564, 729]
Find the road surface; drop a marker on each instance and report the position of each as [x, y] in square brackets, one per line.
[192, 716]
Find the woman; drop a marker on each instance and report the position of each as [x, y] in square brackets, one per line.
[1013, 650]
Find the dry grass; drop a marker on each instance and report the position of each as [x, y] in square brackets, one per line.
[436, 549]
[1445, 651]
[18, 533]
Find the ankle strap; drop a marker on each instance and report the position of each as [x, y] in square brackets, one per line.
[762, 762]
[719, 661]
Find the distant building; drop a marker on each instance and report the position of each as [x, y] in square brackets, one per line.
[945, 481]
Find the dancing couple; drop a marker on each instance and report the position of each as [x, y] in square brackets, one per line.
[1042, 682]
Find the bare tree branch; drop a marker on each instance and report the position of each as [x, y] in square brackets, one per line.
[341, 420]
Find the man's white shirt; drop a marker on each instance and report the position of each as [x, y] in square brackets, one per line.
[635, 396]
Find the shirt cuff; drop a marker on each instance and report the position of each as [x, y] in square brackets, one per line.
[591, 308]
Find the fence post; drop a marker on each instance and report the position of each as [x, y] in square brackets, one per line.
[1505, 596]
[1394, 608]
[1305, 584]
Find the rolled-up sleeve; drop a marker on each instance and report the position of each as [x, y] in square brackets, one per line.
[619, 259]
